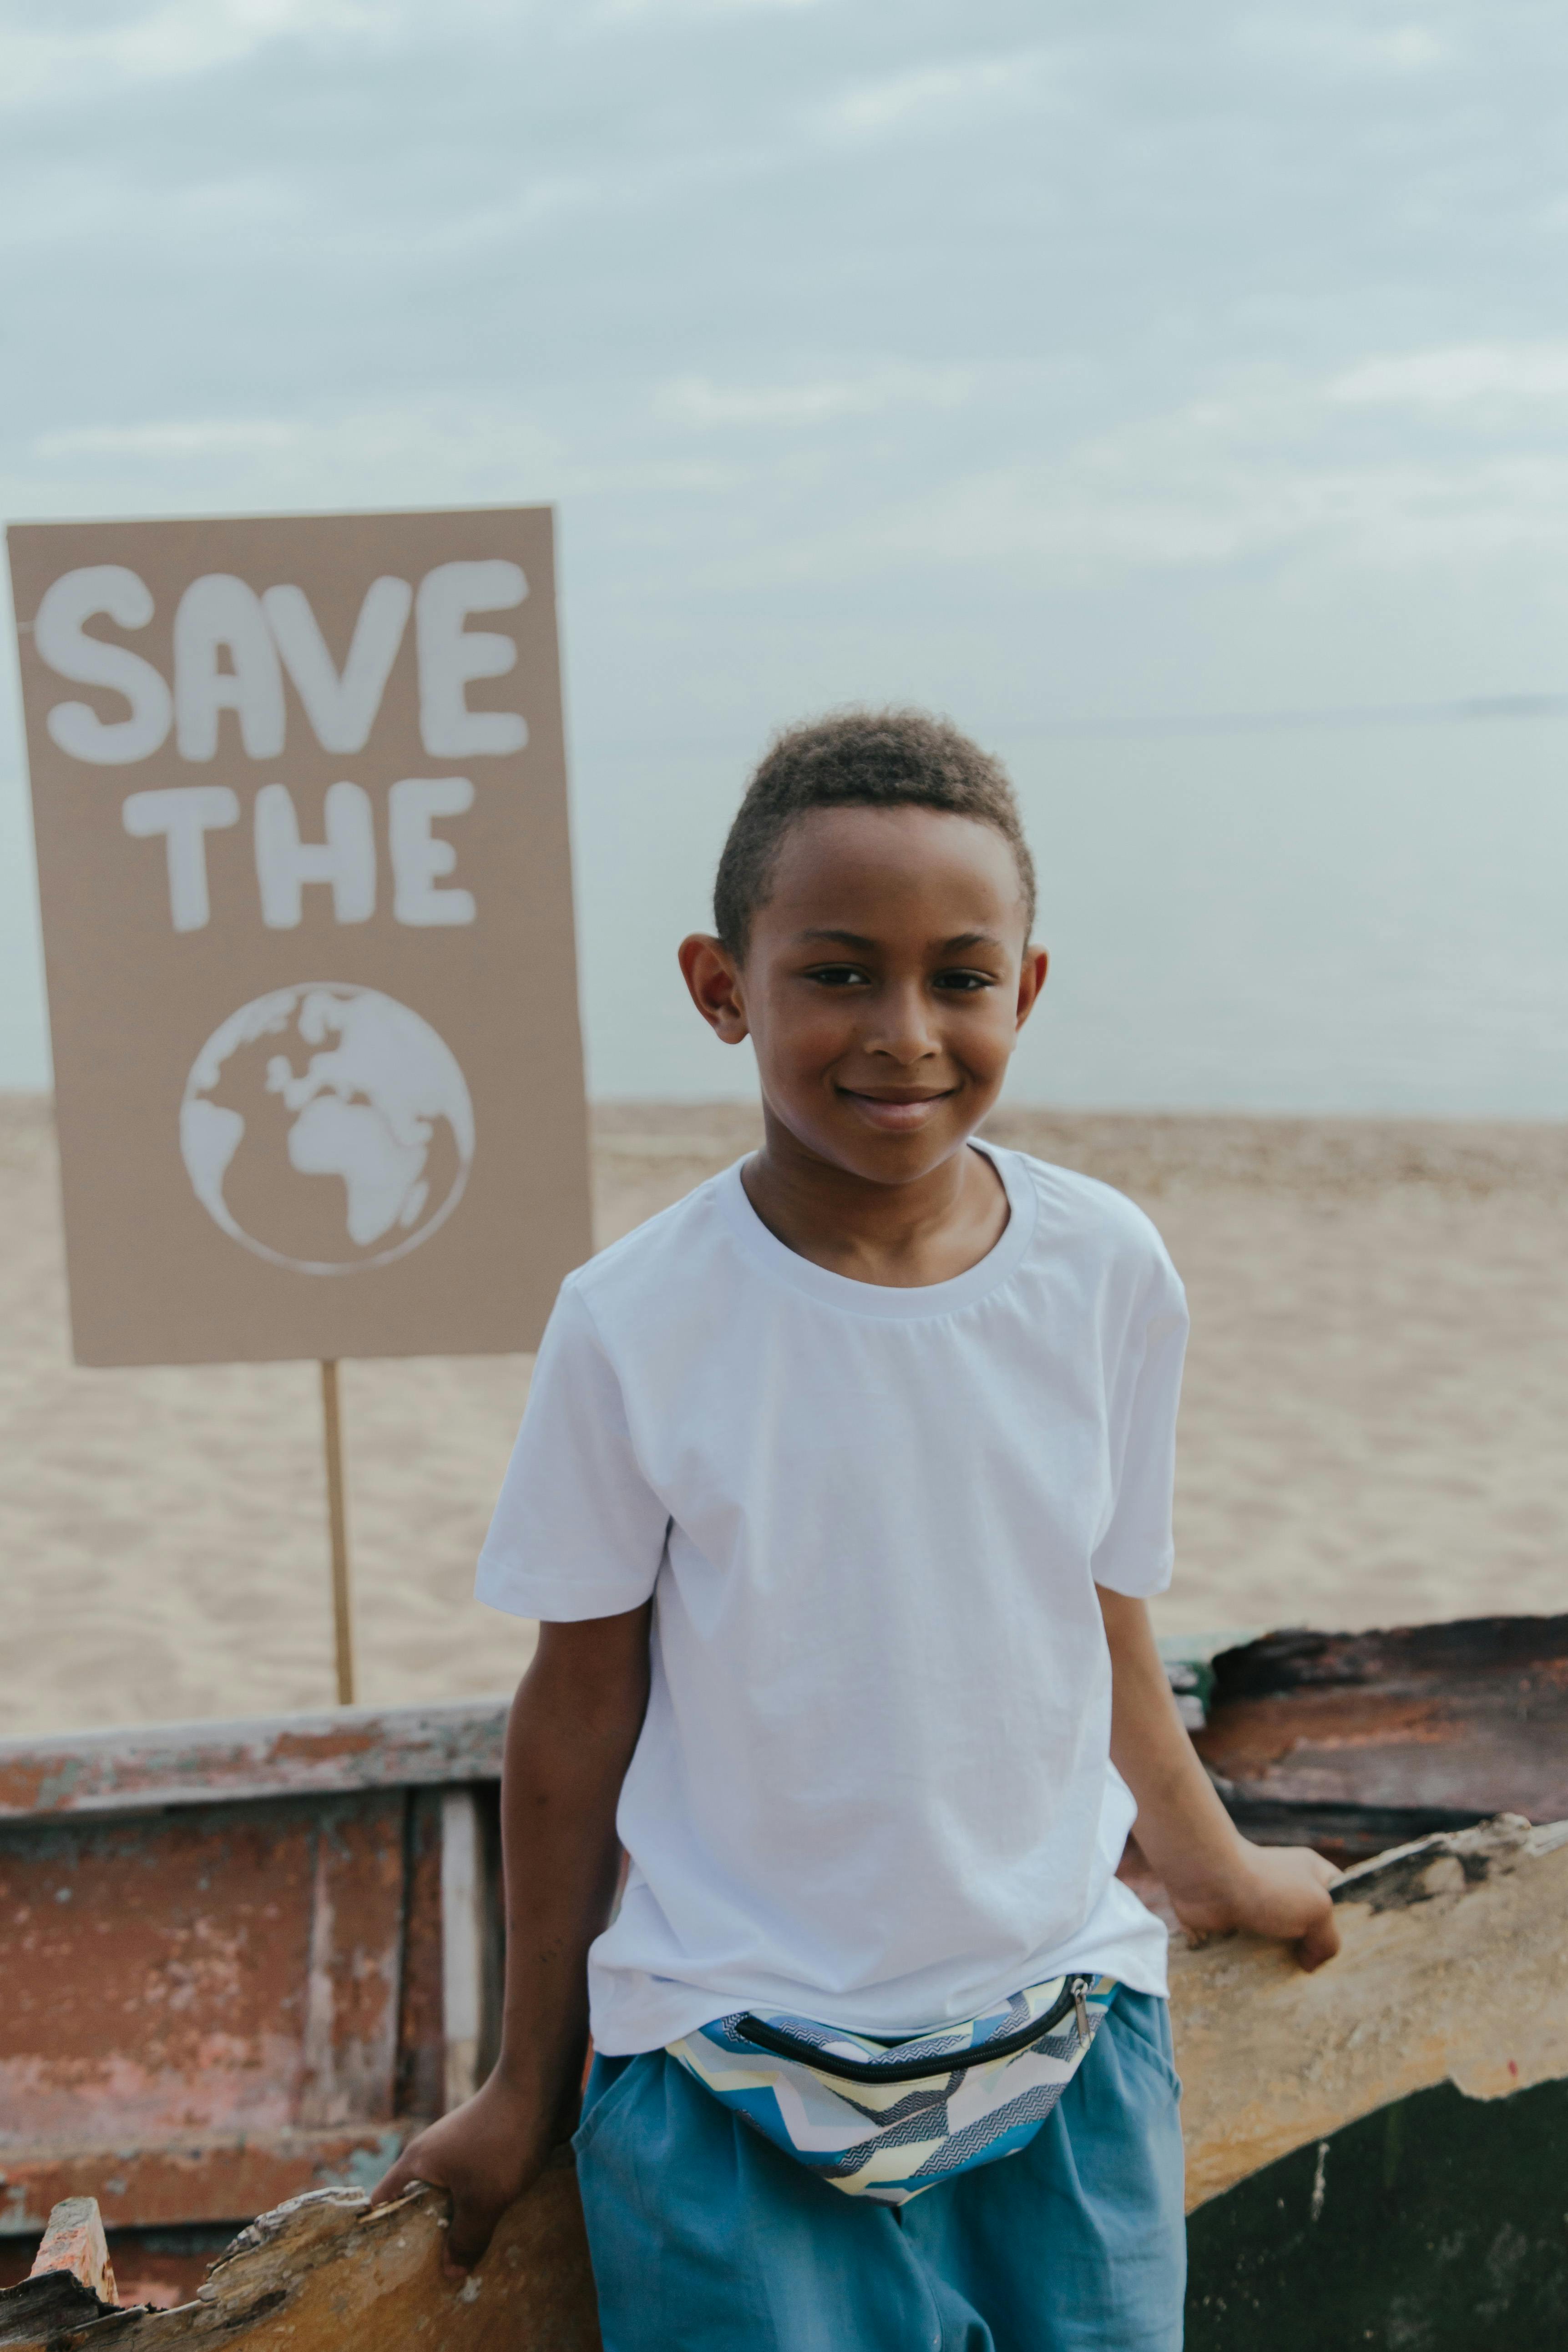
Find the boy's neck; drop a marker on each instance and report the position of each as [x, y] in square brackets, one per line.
[931, 1228]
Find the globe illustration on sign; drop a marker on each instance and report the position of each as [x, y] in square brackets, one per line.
[327, 1128]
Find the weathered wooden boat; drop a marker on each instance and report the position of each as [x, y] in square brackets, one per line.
[244, 1963]
[1433, 2219]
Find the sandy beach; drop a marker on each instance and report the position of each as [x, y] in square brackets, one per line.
[1372, 1426]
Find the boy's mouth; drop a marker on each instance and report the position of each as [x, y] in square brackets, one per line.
[897, 1111]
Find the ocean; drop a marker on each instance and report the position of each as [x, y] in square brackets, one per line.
[1366, 917]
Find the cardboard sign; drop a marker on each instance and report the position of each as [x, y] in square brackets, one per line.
[299, 791]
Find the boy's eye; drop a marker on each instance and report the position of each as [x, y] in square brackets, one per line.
[963, 981]
[837, 975]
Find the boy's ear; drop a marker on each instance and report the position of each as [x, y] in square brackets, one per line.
[713, 978]
[1031, 979]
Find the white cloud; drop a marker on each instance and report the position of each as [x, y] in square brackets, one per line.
[615, 12]
[1351, 47]
[1456, 375]
[212, 437]
[176, 39]
[152, 44]
[697, 401]
[935, 93]
[429, 455]
[1260, 470]
[366, 452]
[1061, 528]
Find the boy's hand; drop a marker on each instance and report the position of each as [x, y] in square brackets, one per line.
[485, 2152]
[1271, 1890]
[1214, 1877]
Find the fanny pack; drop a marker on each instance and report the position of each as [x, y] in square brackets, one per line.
[887, 2119]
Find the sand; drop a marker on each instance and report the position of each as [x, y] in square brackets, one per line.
[1371, 1428]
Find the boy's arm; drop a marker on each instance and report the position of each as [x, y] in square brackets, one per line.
[1215, 1877]
[574, 1725]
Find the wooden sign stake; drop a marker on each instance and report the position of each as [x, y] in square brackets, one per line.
[337, 1518]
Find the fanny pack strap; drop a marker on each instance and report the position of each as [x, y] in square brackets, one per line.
[783, 2043]
[889, 2119]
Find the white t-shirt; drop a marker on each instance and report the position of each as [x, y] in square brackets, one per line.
[874, 1784]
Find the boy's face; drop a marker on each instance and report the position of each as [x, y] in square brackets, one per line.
[884, 986]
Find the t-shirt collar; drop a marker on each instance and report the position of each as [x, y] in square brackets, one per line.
[881, 1300]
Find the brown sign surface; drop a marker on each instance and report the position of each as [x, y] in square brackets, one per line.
[300, 792]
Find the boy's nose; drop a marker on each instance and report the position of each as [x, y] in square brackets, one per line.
[901, 1027]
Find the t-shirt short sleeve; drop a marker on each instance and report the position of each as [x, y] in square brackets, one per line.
[1136, 1550]
[578, 1531]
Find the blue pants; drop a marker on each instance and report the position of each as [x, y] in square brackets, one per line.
[706, 2238]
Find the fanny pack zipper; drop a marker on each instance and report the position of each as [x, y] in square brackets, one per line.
[1073, 1996]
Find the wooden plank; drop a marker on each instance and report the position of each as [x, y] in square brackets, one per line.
[42, 2311]
[462, 1946]
[325, 2274]
[350, 2043]
[421, 2041]
[156, 1765]
[1455, 1969]
[74, 2241]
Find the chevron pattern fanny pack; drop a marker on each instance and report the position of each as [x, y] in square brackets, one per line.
[887, 2120]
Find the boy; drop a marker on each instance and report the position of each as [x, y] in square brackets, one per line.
[840, 1493]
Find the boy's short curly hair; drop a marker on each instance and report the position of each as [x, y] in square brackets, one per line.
[859, 758]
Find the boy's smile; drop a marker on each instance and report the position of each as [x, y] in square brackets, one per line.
[883, 987]
[896, 1111]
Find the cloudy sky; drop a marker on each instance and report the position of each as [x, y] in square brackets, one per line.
[1177, 397]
